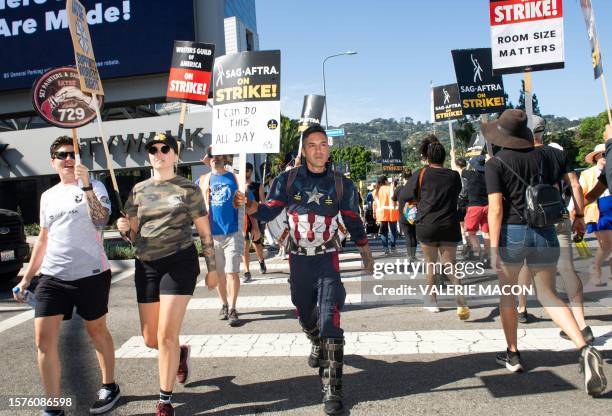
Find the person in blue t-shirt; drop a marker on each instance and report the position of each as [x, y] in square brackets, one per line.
[226, 220]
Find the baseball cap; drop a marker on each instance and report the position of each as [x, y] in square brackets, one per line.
[538, 124]
[163, 138]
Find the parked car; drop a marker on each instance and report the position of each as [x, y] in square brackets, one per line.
[14, 249]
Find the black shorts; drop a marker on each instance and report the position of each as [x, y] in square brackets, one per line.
[59, 297]
[249, 232]
[439, 234]
[175, 274]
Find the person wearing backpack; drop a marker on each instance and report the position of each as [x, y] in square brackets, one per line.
[316, 198]
[524, 208]
[407, 209]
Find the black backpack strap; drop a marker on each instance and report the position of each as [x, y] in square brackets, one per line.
[520, 179]
[292, 175]
[339, 186]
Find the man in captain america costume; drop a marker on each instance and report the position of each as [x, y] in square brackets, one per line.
[316, 197]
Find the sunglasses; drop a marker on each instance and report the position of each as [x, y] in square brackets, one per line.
[63, 155]
[164, 149]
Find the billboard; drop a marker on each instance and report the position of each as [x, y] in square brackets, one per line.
[130, 37]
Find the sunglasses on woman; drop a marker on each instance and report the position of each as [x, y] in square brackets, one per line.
[164, 149]
[63, 155]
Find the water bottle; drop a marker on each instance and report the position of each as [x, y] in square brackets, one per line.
[27, 296]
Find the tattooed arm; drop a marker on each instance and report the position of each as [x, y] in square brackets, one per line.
[98, 213]
[202, 224]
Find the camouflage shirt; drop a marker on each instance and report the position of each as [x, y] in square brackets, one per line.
[165, 212]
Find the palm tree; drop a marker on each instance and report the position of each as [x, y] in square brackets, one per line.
[289, 142]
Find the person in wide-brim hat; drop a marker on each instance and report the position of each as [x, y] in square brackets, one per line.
[509, 131]
[599, 150]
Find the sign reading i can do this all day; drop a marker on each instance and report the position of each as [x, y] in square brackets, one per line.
[526, 35]
[246, 113]
[191, 71]
[83, 48]
[446, 103]
[481, 92]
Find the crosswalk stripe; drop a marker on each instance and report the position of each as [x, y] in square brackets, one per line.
[370, 343]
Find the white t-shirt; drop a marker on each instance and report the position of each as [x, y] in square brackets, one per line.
[74, 249]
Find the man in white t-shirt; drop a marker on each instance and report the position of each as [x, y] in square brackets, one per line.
[74, 270]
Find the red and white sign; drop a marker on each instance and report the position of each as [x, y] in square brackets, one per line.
[526, 35]
[190, 75]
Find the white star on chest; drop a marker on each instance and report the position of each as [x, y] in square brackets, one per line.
[314, 196]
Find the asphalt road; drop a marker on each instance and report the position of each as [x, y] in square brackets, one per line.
[400, 358]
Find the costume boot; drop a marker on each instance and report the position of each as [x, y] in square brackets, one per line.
[315, 350]
[332, 358]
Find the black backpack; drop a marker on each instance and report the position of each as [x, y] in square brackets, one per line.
[544, 204]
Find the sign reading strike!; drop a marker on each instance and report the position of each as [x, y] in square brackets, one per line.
[191, 71]
[246, 112]
[83, 48]
[391, 156]
[526, 35]
[481, 92]
[447, 103]
[57, 98]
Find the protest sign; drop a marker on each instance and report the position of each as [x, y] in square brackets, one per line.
[446, 103]
[246, 112]
[190, 74]
[481, 92]
[391, 156]
[589, 18]
[83, 48]
[57, 98]
[526, 35]
[312, 111]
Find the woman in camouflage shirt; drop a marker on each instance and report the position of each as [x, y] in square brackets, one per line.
[159, 214]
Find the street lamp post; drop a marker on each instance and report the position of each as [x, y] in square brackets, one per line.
[324, 85]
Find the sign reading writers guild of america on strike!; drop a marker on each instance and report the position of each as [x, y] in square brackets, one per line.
[526, 35]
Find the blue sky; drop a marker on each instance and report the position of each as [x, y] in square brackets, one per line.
[402, 45]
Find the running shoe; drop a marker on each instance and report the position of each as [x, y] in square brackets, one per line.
[511, 360]
[53, 413]
[183, 370]
[247, 277]
[233, 318]
[107, 398]
[262, 267]
[587, 333]
[463, 312]
[393, 250]
[164, 409]
[591, 364]
[223, 313]
[387, 252]
[523, 317]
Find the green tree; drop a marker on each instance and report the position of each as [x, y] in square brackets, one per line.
[590, 134]
[521, 103]
[567, 139]
[289, 142]
[358, 158]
